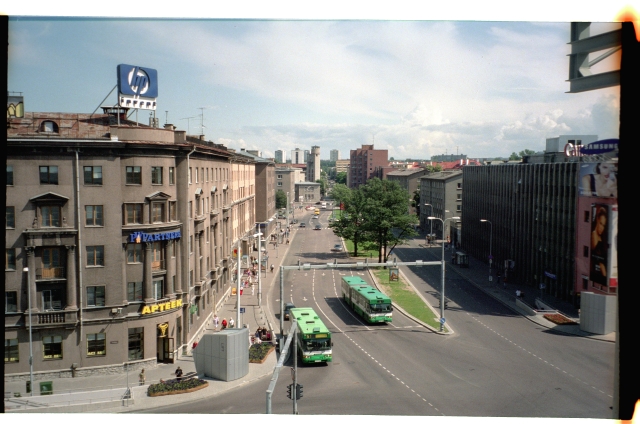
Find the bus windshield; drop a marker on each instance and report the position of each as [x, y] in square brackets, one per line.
[381, 307]
[322, 344]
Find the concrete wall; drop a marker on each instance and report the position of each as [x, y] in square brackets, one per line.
[598, 313]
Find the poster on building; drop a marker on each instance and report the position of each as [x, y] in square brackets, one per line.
[598, 179]
[613, 246]
[600, 242]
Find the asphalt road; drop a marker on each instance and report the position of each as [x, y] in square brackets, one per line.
[495, 363]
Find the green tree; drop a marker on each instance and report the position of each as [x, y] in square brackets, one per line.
[385, 216]
[341, 178]
[281, 199]
[526, 152]
[350, 225]
[323, 186]
[514, 156]
[433, 168]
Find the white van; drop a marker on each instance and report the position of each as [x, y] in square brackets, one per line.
[324, 205]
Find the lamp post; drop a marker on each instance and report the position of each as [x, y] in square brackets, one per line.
[490, 237]
[26, 270]
[259, 235]
[238, 284]
[430, 221]
[455, 218]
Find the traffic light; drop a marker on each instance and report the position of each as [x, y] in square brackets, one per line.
[298, 391]
[289, 391]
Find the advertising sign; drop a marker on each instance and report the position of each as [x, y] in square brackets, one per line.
[393, 274]
[599, 147]
[15, 107]
[598, 179]
[613, 246]
[600, 264]
[137, 87]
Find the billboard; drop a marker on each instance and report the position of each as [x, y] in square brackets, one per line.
[598, 179]
[603, 260]
[137, 87]
[15, 107]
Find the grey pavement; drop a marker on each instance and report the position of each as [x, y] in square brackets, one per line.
[105, 394]
[533, 307]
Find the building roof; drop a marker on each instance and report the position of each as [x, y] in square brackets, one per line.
[405, 172]
[444, 175]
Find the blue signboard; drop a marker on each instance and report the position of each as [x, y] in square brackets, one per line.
[599, 147]
[137, 87]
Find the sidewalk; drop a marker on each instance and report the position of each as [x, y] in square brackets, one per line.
[478, 274]
[105, 394]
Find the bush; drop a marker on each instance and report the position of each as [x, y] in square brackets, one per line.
[559, 319]
[259, 351]
[174, 385]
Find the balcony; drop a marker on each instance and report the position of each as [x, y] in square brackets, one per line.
[53, 318]
[158, 265]
[50, 273]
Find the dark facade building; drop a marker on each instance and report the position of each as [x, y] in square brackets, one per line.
[363, 164]
[531, 228]
[118, 240]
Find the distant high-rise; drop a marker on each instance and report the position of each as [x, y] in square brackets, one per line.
[334, 155]
[297, 157]
[281, 156]
[306, 156]
[313, 164]
[364, 162]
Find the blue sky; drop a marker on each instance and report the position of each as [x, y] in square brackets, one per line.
[415, 87]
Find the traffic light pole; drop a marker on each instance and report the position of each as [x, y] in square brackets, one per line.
[294, 389]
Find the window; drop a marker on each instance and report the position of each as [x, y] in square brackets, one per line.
[134, 253]
[51, 257]
[48, 175]
[156, 175]
[279, 177]
[49, 127]
[50, 216]
[9, 174]
[11, 301]
[172, 176]
[459, 196]
[190, 209]
[96, 344]
[585, 251]
[10, 259]
[133, 213]
[157, 212]
[279, 183]
[52, 347]
[10, 221]
[458, 208]
[52, 300]
[94, 215]
[95, 255]
[158, 292]
[95, 296]
[173, 211]
[157, 255]
[134, 175]
[11, 352]
[134, 291]
[136, 343]
[459, 186]
[93, 175]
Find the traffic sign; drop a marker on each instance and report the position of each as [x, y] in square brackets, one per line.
[242, 310]
[442, 320]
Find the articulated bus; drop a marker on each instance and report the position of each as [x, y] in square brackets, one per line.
[370, 303]
[314, 339]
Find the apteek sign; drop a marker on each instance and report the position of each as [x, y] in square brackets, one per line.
[137, 87]
[140, 237]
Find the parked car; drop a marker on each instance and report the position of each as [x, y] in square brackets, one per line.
[303, 224]
[314, 217]
[287, 307]
[337, 247]
[318, 227]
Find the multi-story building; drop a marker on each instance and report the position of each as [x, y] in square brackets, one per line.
[313, 164]
[118, 240]
[334, 155]
[286, 179]
[409, 180]
[441, 197]
[297, 157]
[280, 156]
[307, 191]
[363, 163]
[265, 192]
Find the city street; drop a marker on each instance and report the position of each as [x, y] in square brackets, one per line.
[496, 363]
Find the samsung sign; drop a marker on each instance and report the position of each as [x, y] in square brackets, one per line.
[137, 87]
[140, 237]
[595, 148]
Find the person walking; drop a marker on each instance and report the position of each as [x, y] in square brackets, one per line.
[224, 323]
[178, 373]
[142, 378]
[272, 267]
[231, 323]
[216, 321]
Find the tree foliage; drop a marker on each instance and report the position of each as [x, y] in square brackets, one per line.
[433, 168]
[375, 212]
[341, 178]
[281, 199]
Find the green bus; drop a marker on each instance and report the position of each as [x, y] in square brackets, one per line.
[368, 302]
[314, 339]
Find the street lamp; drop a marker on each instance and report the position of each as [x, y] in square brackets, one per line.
[259, 235]
[26, 270]
[455, 218]
[430, 222]
[490, 237]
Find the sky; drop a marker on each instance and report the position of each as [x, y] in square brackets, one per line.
[415, 86]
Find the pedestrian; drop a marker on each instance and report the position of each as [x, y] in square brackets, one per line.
[231, 322]
[178, 373]
[224, 323]
[518, 293]
[252, 289]
[142, 377]
[216, 321]
[272, 267]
